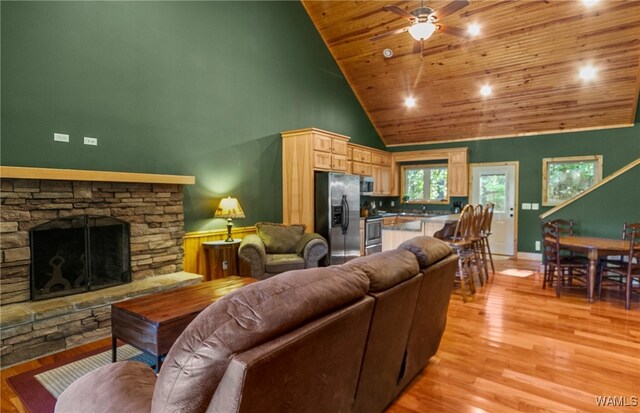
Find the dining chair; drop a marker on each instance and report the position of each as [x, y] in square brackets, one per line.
[475, 235]
[628, 269]
[485, 232]
[556, 262]
[616, 260]
[461, 244]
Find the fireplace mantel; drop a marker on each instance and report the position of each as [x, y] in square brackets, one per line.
[20, 172]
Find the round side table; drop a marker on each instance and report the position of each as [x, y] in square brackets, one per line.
[221, 258]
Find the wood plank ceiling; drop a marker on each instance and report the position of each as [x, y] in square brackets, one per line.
[529, 51]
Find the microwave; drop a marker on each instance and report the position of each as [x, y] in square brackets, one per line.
[366, 185]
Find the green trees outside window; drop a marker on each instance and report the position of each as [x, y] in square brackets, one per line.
[424, 184]
[564, 178]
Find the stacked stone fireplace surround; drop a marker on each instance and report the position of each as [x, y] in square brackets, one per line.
[156, 217]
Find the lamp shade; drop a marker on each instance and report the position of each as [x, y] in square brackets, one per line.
[229, 208]
[422, 30]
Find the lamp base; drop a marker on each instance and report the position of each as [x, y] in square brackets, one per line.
[229, 225]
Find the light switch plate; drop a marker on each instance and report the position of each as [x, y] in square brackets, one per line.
[90, 141]
[526, 205]
[61, 137]
[537, 245]
[535, 206]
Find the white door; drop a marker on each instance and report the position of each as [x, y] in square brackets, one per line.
[497, 183]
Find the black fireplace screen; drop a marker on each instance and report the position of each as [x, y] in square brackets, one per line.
[78, 254]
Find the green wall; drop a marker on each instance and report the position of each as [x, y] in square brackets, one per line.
[193, 88]
[619, 147]
[603, 211]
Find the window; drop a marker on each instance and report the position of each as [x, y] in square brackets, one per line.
[424, 184]
[564, 178]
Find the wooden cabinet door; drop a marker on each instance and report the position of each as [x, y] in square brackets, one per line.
[339, 147]
[322, 161]
[322, 143]
[385, 160]
[389, 220]
[362, 224]
[339, 163]
[458, 179]
[376, 158]
[360, 168]
[361, 155]
[385, 180]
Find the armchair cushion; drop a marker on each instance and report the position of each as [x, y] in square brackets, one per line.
[279, 238]
[277, 263]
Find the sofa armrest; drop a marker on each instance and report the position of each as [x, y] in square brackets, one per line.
[252, 251]
[312, 247]
[125, 386]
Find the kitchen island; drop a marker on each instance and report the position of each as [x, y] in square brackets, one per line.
[395, 234]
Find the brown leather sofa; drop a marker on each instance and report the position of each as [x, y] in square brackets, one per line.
[335, 339]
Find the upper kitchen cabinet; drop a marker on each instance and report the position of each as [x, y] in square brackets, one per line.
[303, 152]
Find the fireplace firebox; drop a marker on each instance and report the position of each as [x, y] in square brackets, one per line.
[79, 254]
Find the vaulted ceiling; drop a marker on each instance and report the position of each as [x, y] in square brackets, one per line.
[529, 51]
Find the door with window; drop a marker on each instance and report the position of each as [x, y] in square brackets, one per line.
[497, 183]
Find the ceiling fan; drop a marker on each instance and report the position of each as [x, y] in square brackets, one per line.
[424, 22]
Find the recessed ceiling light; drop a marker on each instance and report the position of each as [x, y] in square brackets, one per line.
[410, 102]
[474, 29]
[588, 73]
[387, 53]
[485, 90]
[589, 3]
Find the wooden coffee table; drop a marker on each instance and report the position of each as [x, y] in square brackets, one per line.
[153, 322]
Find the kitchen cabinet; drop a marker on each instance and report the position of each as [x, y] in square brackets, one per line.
[303, 152]
[361, 155]
[360, 168]
[362, 225]
[458, 172]
[381, 179]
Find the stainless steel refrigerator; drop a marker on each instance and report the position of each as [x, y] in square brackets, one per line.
[337, 214]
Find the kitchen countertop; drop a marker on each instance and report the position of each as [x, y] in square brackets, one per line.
[416, 226]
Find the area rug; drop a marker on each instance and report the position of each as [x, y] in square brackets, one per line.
[516, 273]
[38, 389]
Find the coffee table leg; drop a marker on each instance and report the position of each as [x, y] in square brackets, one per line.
[114, 349]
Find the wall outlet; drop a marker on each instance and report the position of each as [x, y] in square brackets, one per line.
[393, 203]
[61, 137]
[225, 265]
[537, 245]
[535, 206]
[90, 141]
[526, 206]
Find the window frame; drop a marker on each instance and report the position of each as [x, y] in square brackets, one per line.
[567, 159]
[403, 169]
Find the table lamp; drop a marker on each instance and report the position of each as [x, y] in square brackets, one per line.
[229, 208]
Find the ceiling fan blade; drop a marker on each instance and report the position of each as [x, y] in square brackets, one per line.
[400, 12]
[392, 32]
[417, 46]
[454, 31]
[451, 8]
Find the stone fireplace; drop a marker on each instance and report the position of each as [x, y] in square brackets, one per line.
[84, 236]
[78, 254]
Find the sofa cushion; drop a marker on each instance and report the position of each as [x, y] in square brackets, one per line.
[386, 269]
[243, 319]
[277, 263]
[428, 250]
[280, 238]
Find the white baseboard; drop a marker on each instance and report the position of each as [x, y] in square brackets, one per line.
[531, 256]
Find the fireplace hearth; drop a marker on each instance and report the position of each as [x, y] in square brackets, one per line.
[78, 254]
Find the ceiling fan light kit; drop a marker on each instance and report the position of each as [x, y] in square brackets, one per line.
[423, 22]
[422, 30]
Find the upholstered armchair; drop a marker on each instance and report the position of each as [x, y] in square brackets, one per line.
[278, 248]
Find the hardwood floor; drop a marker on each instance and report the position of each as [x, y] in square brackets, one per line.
[512, 348]
[517, 348]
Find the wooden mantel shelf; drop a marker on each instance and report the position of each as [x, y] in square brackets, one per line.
[20, 172]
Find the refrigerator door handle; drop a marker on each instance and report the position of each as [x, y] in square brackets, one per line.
[345, 214]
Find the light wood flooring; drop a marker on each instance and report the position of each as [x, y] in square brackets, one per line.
[513, 348]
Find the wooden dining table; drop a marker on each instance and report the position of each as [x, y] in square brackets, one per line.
[594, 248]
